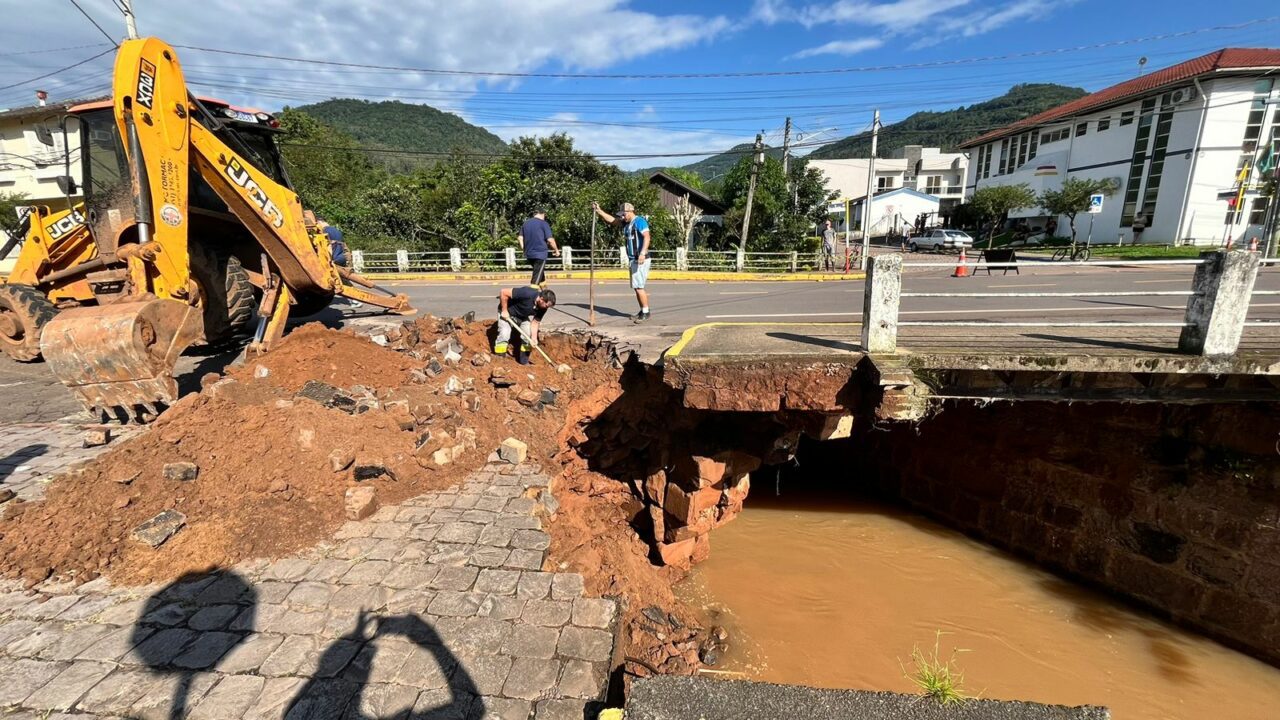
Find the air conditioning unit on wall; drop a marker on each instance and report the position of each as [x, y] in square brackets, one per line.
[1182, 95]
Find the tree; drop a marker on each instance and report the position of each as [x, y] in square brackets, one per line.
[685, 215]
[1073, 198]
[780, 219]
[994, 203]
[10, 220]
[692, 179]
[327, 166]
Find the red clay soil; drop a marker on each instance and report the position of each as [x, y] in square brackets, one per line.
[265, 487]
[593, 535]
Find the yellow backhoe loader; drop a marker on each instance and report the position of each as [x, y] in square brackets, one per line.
[188, 221]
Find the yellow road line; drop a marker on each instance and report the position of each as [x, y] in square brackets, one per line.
[687, 336]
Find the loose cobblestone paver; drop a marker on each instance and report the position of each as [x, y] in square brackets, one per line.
[438, 604]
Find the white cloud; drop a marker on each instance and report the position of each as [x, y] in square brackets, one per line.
[841, 47]
[929, 21]
[893, 16]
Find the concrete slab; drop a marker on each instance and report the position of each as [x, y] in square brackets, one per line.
[678, 698]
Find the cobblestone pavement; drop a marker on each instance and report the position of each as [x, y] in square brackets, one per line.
[32, 454]
[435, 608]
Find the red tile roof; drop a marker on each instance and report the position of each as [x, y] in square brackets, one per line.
[1226, 59]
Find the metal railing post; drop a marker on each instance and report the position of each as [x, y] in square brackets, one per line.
[402, 261]
[682, 259]
[794, 256]
[880, 301]
[357, 261]
[740, 261]
[509, 255]
[1216, 312]
[455, 259]
[566, 257]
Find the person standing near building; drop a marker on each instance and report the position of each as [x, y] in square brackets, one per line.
[536, 241]
[635, 237]
[828, 247]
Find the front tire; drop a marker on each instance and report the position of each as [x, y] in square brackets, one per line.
[230, 299]
[24, 311]
[913, 247]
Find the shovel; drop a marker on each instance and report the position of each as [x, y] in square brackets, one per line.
[562, 368]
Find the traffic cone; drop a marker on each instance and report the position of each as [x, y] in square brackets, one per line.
[962, 267]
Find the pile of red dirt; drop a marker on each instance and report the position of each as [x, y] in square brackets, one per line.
[265, 485]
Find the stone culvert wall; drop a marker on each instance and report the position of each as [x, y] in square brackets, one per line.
[1177, 508]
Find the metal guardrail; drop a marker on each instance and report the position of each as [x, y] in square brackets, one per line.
[1212, 325]
[512, 260]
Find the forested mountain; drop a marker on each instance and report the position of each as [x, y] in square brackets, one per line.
[394, 125]
[948, 128]
[717, 165]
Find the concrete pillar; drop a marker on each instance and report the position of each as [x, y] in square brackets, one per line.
[794, 256]
[1216, 313]
[740, 261]
[357, 260]
[510, 256]
[402, 261]
[455, 259]
[880, 304]
[566, 257]
[682, 259]
[622, 257]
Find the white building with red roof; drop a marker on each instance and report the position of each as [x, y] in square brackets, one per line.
[1176, 141]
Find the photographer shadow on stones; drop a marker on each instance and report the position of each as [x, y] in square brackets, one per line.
[452, 693]
[189, 625]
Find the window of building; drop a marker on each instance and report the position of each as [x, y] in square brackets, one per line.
[1164, 124]
[1004, 157]
[1258, 215]
[984, 161]
[1081, 129]
[933, 185]
[1249, 155]
[1141, 146]
[884, 183]
[1126, 118]
[1104, 124]
[1055, 136]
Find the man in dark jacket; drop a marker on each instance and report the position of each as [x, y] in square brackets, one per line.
[525, 306]
[536, 241]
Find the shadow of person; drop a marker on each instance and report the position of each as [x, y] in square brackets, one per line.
[11, 462]
[201, 600]
[323, 696]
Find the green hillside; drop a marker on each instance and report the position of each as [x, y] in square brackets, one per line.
[948, 128]
[718, 165]
[393, 125]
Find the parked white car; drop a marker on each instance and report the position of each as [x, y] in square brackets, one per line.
[941, 240]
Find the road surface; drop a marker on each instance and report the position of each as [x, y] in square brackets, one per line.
[28, 393]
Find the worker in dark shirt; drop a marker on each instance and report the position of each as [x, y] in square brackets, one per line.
[525, 306]
[536, 241]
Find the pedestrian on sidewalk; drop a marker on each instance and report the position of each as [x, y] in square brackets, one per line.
[536, 241]
[525, 306]
[828, 247]
[635, 237]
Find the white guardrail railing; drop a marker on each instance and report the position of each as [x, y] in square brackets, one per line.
[1218, 301]
[512, 260]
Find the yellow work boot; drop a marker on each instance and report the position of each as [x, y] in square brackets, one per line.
[500, 348]
[525, 348]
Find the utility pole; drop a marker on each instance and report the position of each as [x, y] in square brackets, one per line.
[751, 189]
[786, 158]
[130, 23]
[871, 182]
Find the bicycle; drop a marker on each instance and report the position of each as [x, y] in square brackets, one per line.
[1080, 253]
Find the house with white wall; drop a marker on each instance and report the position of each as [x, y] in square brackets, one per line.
[915, 180]
[1176, 141]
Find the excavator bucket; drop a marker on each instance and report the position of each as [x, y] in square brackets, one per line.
[118, 359]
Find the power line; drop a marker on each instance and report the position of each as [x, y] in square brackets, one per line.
[50, 50]
[59, 70]
[748, 74]
[95, 23]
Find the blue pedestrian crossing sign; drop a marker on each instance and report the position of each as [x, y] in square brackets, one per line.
[1095, 203]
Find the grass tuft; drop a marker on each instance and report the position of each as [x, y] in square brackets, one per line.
[938, 679]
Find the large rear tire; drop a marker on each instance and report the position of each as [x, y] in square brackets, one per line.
[229, 296]
[23, 314]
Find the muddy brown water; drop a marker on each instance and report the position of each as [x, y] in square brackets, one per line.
[836, 593]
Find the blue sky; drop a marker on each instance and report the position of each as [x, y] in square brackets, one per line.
[635, 116]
